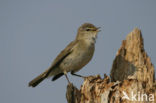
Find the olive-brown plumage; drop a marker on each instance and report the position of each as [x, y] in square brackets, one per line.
[76, 55]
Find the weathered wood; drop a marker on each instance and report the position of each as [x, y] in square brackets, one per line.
[132, 75]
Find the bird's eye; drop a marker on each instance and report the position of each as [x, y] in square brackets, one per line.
[88, 29]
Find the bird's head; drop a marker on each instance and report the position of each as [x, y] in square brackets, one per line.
[87, 31]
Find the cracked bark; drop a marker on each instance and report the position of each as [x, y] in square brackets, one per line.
[132, 73]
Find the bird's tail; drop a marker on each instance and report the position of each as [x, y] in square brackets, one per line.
[37, 80]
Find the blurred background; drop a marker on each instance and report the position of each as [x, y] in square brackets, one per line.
[33, 32]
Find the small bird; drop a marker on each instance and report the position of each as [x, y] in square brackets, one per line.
[75, 56]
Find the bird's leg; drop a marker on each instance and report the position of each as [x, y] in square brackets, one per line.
[67, 77]
[84, 77]
[78, 75]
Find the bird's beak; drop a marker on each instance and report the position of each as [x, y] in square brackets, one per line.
[98, 29]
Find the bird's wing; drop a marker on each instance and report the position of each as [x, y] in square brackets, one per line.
[63, 54]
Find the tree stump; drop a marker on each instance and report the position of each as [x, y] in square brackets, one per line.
[132, 78]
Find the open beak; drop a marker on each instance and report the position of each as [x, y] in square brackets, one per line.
[98, 29]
